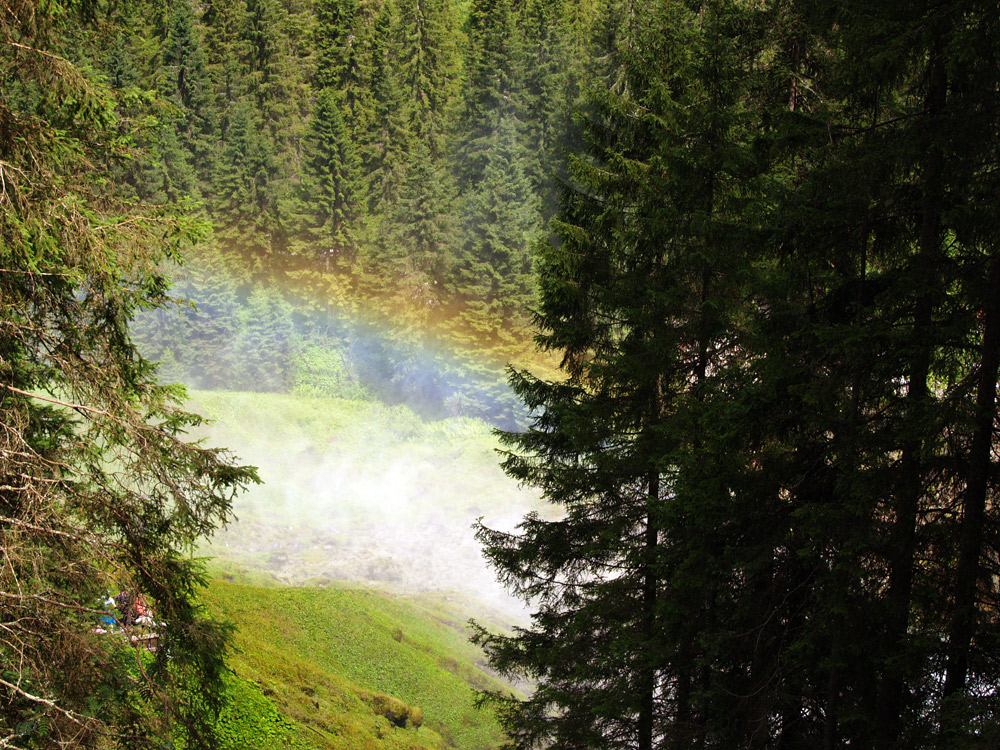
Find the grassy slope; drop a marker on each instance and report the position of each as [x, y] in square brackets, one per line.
[361, 491]
[320, 657]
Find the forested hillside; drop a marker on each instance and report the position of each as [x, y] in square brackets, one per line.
[392, 157]
[769, 270]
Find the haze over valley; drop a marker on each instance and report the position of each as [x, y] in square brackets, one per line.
[362, 492]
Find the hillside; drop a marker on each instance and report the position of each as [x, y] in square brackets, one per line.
[325, 667]
[359, 491]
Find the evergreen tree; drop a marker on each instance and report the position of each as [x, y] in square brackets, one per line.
[390, 135]
[265, 344]
[100, 490]
[186, 84]
[490, 73]
[194, 340]
[428, 69]
[910, 143]
[640, 293]
[344, 35]
[329, 194]
[774, 292]
[422, 231]
[492, 272]
[242, 187]
[545, 95]
[334, 42]
[261, 39]
[221, 22]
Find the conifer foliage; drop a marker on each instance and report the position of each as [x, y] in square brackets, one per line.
[99, 491]
[772, 456]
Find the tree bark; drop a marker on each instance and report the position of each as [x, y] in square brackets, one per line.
[967, 571]
[903, 535]
[647, 678]
[647, 675]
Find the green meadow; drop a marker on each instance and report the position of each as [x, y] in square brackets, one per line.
[349, 668]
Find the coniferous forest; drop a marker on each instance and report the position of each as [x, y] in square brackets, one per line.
[759, 238]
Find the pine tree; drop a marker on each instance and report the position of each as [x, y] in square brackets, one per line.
[422, 232]
[493, 271]
[265, 344]
[329, 194]
[640, 293]
[187, 85]
[100, 490]
[242, 189]
[428, 69]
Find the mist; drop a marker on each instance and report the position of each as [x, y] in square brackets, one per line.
[365, 493]
[374, 445]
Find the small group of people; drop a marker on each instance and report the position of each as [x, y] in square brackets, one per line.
[132, 611]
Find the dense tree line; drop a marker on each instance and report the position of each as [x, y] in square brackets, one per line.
[226, 332]
[773, 283]
[404, 145]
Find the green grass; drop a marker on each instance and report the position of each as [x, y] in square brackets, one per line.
[315, 666]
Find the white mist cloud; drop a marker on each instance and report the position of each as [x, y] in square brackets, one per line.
[365, 493]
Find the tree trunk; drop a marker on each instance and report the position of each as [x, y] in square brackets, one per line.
[967, 572]
[647, 678]
[903, 535]
[647, 675]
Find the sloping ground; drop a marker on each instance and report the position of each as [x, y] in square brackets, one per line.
[350, 668]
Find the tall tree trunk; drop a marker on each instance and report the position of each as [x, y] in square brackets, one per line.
[903, 535]
[647, 684]
[830, 729]
[967, 572]
[647, 676]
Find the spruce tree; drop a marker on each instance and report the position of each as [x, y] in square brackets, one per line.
[773, 287]
[242, 188]
[344, 36]
[100, 489]
[869, 400]
[640, 293]
[187, 85]
[265, 344]
[428, 61]
[490, 80]
[330, 191]
[422, 234]
[387, 158]
[493, 270]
